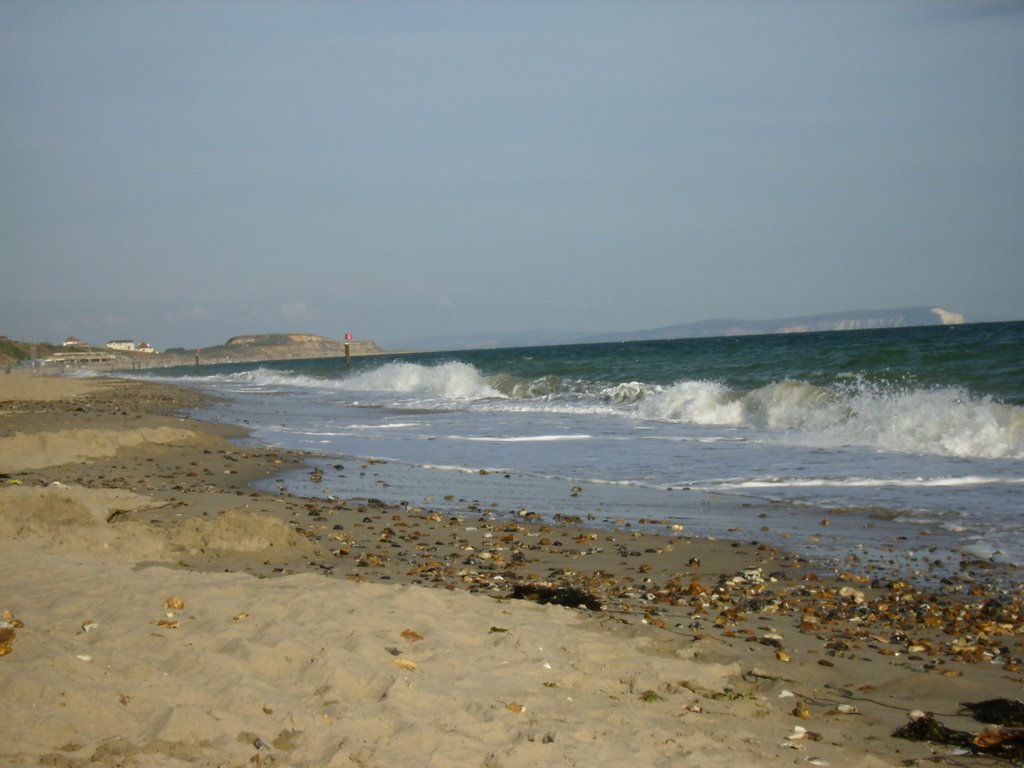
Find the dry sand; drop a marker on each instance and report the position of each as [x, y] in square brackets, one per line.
[161, 613]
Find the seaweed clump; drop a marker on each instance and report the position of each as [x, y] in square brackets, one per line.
[995, 711]
[571, 597]
[1002, 744]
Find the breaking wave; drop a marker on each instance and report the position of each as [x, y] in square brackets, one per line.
[946, 421]
[458, 381]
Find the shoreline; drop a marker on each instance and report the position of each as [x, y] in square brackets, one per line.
[828, 540]
[124, 500]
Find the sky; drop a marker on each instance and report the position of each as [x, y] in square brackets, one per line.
[183, 172]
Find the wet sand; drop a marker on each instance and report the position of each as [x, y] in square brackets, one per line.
[312, 630]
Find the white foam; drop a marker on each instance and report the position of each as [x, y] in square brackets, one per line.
[389, 425]
[521, 439]
[945, 421]
[872, 482]
[448, 380]
[694, 402]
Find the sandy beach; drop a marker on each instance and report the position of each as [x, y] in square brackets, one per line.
[158, 611]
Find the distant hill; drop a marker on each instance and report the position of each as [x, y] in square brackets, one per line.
[272, 346]
[12, 352]
[837, 321]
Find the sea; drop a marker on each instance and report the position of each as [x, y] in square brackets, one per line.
[891, 448]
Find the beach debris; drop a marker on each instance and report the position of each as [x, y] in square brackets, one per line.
[570, 597]
[801, 711]
[174, 604]
[575, 491]
[411, 635]
[857, 595]
[1007, 745]
[89, 625]
[167, 623]
[7, 626]
[517, 708]
[316, 475]
[927, 728]
[750, 576]
[404, 664]
[498, 629]
[1004, 712]
[731, 695]
[799, 733]
[240, 616]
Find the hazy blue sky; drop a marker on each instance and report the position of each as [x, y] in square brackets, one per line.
[180, 172]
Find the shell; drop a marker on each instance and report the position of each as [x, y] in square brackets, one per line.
[6, 640]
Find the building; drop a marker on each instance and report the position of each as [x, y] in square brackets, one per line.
[74, 341]
[123, 345]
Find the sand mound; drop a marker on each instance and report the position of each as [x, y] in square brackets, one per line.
[65, 518]
[239, 531]
[62, 518]
[24, 452]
